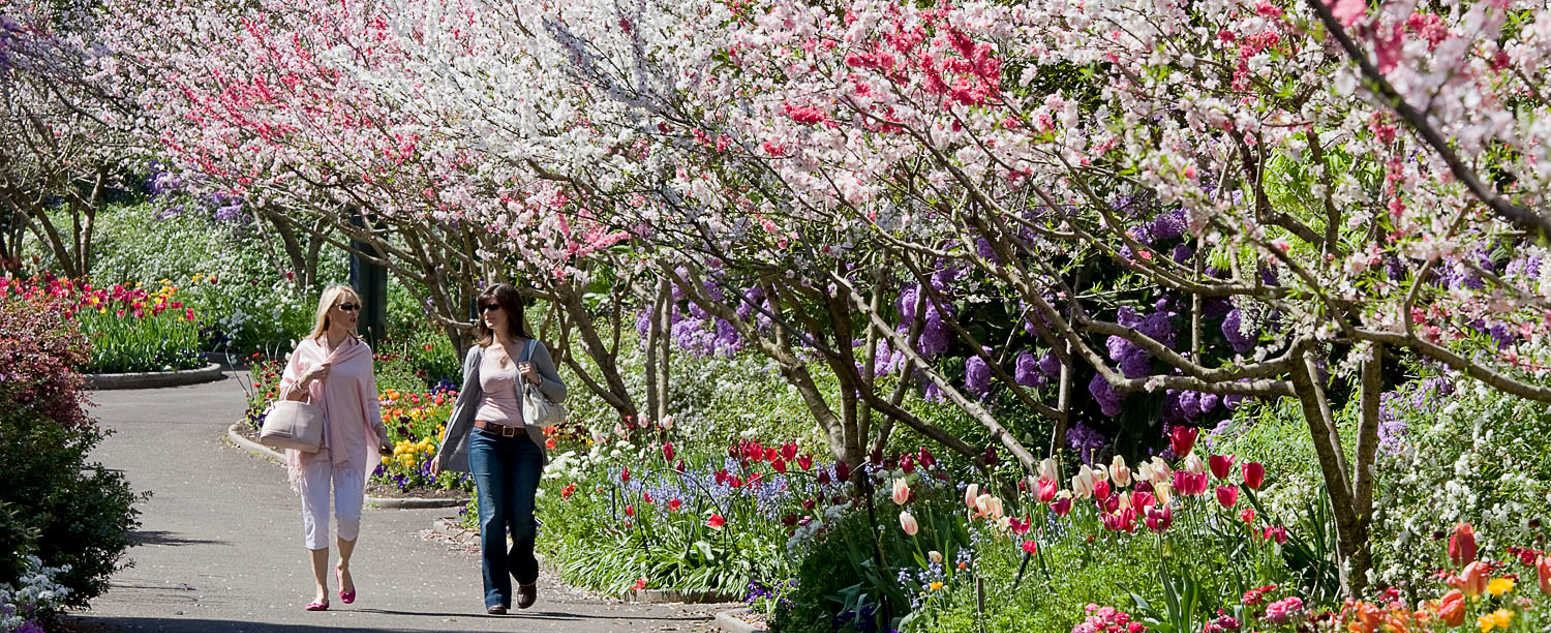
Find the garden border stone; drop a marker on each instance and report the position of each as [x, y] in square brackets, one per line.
[398, 503]
[154, 379]
[470, 539]
[731, 621]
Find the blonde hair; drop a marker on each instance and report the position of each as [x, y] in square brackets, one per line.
[331, 296]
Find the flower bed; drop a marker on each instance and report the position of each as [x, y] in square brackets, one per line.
[132, 329]
[414, 417]
[624, 510]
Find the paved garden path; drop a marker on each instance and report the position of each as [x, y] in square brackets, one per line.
[220, 545]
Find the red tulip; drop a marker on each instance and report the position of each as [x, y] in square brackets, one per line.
[624, 474]
[772, 453]
[1247, 515]
[640, 583]
[1227, 496]
[629, 510]
[1182, 439]
[925, 458]
[1045, 490]
[823, 478]
[1462, 545]
[842, 470]
[667, 451]
[674, 505]
[1276, 533]
[1019, 526]
[1254, 475]
[779, 465]
[716, 520]
[789, 451]
[805, 461]
[1101, 489]
[907, 463]
[1220, 465]
[1029, 547]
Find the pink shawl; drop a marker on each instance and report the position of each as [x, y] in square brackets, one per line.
[309, 353]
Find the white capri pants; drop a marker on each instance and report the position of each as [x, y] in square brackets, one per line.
[349, 493]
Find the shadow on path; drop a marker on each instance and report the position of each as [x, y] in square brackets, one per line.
[163, 537]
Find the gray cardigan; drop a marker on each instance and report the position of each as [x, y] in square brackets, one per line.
[453, 453]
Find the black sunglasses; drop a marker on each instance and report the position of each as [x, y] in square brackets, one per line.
[489, 307]
[348, 307]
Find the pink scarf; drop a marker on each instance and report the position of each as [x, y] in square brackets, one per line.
[308, 354]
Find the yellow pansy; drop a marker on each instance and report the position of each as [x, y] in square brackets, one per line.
[1499, 619]
[1499, 586]
[935, 585]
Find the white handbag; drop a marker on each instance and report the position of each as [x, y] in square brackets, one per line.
[293, 424]
[537, 409]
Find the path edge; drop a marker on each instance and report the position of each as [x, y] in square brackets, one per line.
[153, 379]
[729, 622]
[395, 503]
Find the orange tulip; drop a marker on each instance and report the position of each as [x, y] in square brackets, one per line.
[1451, 609]
[1543, 567]
[1472, 580]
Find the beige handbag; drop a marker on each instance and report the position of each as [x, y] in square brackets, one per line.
[293, 424]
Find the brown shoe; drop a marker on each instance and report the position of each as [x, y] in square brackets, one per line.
[496, 610]
[527, 595]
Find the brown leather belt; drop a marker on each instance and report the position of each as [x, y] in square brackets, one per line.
[503, 430]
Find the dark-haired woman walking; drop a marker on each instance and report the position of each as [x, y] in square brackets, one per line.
[487, 437]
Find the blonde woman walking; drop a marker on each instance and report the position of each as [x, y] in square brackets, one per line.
[332, 368]
[487, 437]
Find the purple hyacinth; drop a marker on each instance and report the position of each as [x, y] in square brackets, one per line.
[1108, 398]
[1232, 329]
[977, 376]
[1050, 364]
[1085, 440]
[1026, 371]
[1169, 225]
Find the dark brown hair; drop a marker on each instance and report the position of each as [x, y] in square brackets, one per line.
[506, 296]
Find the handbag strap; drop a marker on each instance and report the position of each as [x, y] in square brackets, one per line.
[527, 355]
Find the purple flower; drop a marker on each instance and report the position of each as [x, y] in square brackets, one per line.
[1108, 398]
[977, 376]
[1050, 364]
[1085, 440]
[1232, 329]
[1026, 370]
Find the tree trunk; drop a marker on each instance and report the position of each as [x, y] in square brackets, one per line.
[1351, 526]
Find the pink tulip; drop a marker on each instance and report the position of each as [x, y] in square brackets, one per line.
[1159, 519]
[1061, 506]
[1030, 547]
[1276, 533]
[907, 522]
[1101, 489]
[667, 451]
[1220, 465]
[716, 520]
[1227, 496]
[1045, 490]
[1254, 475]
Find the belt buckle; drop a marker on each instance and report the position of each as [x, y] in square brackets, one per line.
[508, 431]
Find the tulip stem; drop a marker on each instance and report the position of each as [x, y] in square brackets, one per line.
[1021, 566]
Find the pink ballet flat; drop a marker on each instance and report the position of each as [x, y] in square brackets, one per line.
[317, 606]
[346, 598]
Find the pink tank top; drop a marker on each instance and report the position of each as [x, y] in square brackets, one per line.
[499, 404]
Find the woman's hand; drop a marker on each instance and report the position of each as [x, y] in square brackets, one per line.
[318, 372]
[436, 466]
[529, 372]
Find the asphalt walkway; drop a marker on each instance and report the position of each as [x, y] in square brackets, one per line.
[220, 546]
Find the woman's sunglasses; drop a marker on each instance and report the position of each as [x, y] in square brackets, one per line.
[348, 307]
[489, 307]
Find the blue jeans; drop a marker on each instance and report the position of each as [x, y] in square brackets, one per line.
[506, 473]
